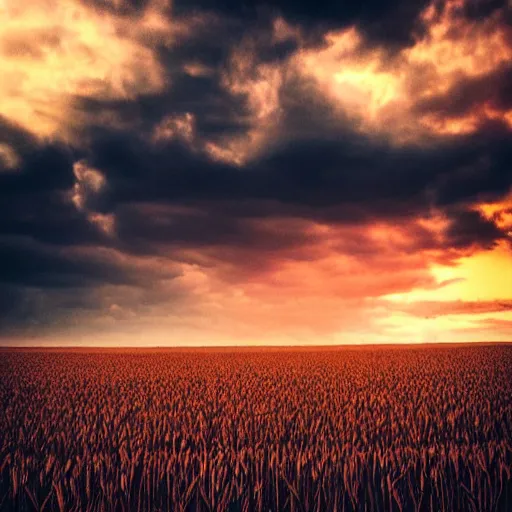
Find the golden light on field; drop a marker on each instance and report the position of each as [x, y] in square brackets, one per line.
[287, 429]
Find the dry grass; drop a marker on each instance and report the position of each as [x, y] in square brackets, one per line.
[383, 429]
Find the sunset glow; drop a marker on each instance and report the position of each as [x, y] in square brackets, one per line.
[182, 176]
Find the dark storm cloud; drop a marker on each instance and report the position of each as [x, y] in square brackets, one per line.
[488, 172]
[146, 227]
[217, 113]
[35, 199]
[25, 262]
[20, 140]
[20, 309]
[195, 69]
[45, 285]
[390, 21]
[50, 256]
[44, 169]
[470, 94]
[32, 311]
[47, 217]
[326, 178]
[478, 9]
[208, 206]
[469, 227]
[351, 174]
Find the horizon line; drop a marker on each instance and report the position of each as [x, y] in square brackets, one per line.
[257, 347]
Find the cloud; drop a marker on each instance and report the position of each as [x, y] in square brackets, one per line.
[35, 201]
[499, 212]
[172, 127]
[385, 21]
[354, 180]
[53, 288]
[8, 158]
[398, 92]
[259, 84]
[54, 51]
[407, 95]
[432, 309]
[90, 182]
[286, 176]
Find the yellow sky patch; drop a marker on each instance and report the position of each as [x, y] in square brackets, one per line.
[484, 276]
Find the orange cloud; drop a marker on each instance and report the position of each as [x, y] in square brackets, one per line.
[500, 212]
[380, 90]
[8, 157]
[376, 90]
[260, 84]
[358, 80]
[196, 69]
[392, 290]
[321, 292]
[454, 46]
[432, 309]
[175, 127]
[90, 181]
[56, 50]
[320, 288]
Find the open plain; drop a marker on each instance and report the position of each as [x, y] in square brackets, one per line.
[359, 428]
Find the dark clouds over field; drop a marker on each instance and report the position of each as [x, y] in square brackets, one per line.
[242, 172]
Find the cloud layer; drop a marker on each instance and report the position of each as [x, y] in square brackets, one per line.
[196, 173]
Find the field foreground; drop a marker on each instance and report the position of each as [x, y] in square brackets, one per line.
[357, 429]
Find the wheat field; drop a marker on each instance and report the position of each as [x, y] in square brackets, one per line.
[371, 428]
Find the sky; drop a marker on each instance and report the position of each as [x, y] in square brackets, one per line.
[226, 172]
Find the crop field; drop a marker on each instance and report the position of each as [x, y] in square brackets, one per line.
[344, 429]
